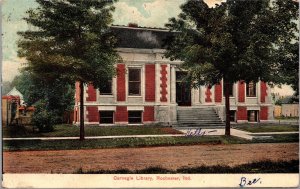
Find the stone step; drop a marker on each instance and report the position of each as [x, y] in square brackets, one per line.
[198, 117]
[204, 121]
[201, 122]
[195, 111]
[193, 114]
[199, 126]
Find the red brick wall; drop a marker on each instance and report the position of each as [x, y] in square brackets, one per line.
[241, 91]
[91, 93]
[121, 114]
[92, 114]
[208, 94]
[163, 85]
[77, 92]
[263, 114]
[148, 113]
[75, 119]
[121, 89]
[218, 93]
[263, 91]
[150, 83]
[241, 113]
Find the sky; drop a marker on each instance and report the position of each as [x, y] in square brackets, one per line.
[148, 13]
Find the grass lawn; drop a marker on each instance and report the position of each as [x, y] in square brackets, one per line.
[287, 118]
[116, 143]
[73, 131]
[255, 167]
[135, 142]
[280, 138]
[259, 128]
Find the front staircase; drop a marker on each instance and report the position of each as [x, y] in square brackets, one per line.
[203, 117]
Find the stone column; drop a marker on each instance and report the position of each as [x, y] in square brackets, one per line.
[173, 84]
[157, 83]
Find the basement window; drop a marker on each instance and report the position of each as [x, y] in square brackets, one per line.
[232, 115]
[106, 117]
[134, 117]
[252, 115]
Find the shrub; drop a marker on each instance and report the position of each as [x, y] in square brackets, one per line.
[44, 119]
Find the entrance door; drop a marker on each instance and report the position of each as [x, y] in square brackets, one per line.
[183, 91]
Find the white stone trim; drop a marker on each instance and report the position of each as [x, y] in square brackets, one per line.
[253, 108]
[168, 76]
[173, 84]
[157, 83]
[85, 114]
[258, 92]
[106, 108]
[92, 123]
[135, 108]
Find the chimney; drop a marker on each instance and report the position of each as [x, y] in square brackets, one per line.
[133, 25]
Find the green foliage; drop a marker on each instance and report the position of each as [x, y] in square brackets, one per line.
[70, 41]
[237, 40]
[58, 95]
[73, 144]
[42, 118]
[6, 87]
[260, 128]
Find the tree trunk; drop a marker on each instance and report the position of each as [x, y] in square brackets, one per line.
[227, 108]
[81, 111]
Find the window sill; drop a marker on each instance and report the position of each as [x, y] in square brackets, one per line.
[106, 95]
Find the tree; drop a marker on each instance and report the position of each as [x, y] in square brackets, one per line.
[70, 41]
[289, 66]
[237, 40]
[57, 95]
[6, 87]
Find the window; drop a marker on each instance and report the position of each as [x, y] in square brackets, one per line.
[134, 116]
[232, 115]
[106, 89]
[251, 89]
[134, 81]
[230, 89]
[106, 117]
[252, 115]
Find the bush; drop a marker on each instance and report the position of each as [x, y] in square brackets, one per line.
[44, 119]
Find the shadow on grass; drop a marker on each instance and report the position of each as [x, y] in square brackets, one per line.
[265, 166]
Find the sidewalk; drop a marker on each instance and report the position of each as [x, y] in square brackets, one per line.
[93, 137]
[218, 132]
[210, 132]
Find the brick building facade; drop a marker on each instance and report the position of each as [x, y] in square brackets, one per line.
[148, 88]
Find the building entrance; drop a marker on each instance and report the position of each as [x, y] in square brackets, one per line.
[183, 90]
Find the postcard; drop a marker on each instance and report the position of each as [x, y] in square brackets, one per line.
[150, 94]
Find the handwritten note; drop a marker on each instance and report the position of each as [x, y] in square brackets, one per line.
[248, 182]
[198, 132]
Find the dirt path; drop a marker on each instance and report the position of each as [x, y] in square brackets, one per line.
[171, 157]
